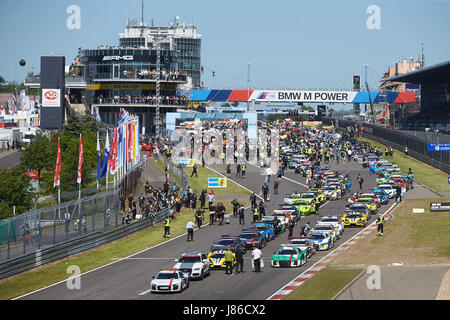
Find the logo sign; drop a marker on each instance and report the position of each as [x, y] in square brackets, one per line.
[51, 97]
[187, 162]
[117, 58]
[438, 147]
[439, 206]
[33, 174]
[217, 182]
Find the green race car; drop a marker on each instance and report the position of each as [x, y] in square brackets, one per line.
[305, 208]
[290, 257]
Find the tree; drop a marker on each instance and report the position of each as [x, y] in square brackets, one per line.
[2, 80]
[38, 155]
[14, 191]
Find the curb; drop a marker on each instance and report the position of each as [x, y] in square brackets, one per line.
[349, 285]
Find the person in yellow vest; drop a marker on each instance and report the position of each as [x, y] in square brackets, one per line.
[228, 261]
[406, 151]
[380, 222]
[223, 157]
[255, 214]
[167, 228]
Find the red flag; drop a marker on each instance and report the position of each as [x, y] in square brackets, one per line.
[58, 167]
[80, 161]
[112, 161]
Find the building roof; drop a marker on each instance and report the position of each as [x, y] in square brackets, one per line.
[439, 73]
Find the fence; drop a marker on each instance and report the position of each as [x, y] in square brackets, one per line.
[417, 145]
[60, 238]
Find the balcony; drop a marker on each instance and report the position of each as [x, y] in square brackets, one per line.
[71, 82]
[141, 76]
[146, 101]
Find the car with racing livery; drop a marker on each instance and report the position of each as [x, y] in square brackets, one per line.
[217, 259]
[228, 242]
[289, 256]
[194, 264]
[304, 243]
[336, 222]
[354, 218]
[321, 240]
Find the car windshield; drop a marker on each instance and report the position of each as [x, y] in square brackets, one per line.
[188, 259]
[357, 206]
[307, 196]
[286, 252]
[217, 255]
[167, 275]
[248, 236]
[354, 216]
[299, 241]
[385, 187]
[329, 189]
[303, 203]
[364, 200]
[317, 236]
[330, 219]
[325, 228]
[225, 242]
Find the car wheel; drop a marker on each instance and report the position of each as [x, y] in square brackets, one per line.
[202, 275]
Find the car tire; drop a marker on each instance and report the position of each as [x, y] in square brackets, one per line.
[202, 276]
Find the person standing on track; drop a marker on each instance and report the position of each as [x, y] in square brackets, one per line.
[241, 215]
[380, 222]
[255, 214]
[360, 181]
[257, 256]
[190, 231]
[228, 262]
[199, 217]
[167, 228]
[253, 200]
[239, 260]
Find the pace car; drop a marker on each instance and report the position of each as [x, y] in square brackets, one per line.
[289, 256]
[169, 280]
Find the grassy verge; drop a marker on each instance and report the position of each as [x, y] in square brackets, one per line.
[411, 238]
[425, 174]
[324, 285]
[44, 276]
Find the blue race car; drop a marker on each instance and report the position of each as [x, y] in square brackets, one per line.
[252, 238]
[265, 229]
[322, 240]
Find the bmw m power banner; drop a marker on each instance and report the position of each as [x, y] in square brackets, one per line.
[217, 182]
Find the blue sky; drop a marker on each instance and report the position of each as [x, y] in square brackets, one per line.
[289, 43]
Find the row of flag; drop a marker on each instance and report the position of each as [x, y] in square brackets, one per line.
[122, 153]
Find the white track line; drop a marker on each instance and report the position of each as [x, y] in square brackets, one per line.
[333, 253]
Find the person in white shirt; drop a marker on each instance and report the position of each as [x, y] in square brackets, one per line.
[256, 256]
[190, 230]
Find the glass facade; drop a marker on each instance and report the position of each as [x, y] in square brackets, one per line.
[132, 42]
[188, 57]
[441, 95]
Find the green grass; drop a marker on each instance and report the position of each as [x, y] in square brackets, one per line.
[425, 174]
[324, 285]
[44, 276]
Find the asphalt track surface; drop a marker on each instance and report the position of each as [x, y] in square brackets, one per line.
[129, 279]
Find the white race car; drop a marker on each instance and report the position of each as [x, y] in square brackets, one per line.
[169, 280]
[389, 189]
[196, 265]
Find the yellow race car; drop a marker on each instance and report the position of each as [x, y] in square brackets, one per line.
[217, 259]
[320, 195]
[369, 203]
[352, 218]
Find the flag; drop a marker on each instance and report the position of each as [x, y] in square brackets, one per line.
[120, 146]
[58, 167]
[13, 106]
[105, 158]
[96, 114]
[98, 159]
[112, 161]
[80, 161]
[130, 141]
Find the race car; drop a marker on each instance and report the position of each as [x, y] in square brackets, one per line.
[401, 182]
[336, 222]
[289, 209]
[275, 222]
[332, 192]
[360, 207]
[372, 196]
[322, 241]
[369, 202]
[267, 230]
[388, 188]
[289, 256]
[382, 196]
[228, 242]
[252, 238]
[328, 229]
[283, 217]
[309, 197]
[319, 194]
[353, 218]
[217, 259]
[292, 198]
[305, 208]
[169, 280]
[194, 264]
[303, 243]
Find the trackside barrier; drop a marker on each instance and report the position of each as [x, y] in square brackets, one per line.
[86, 242]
